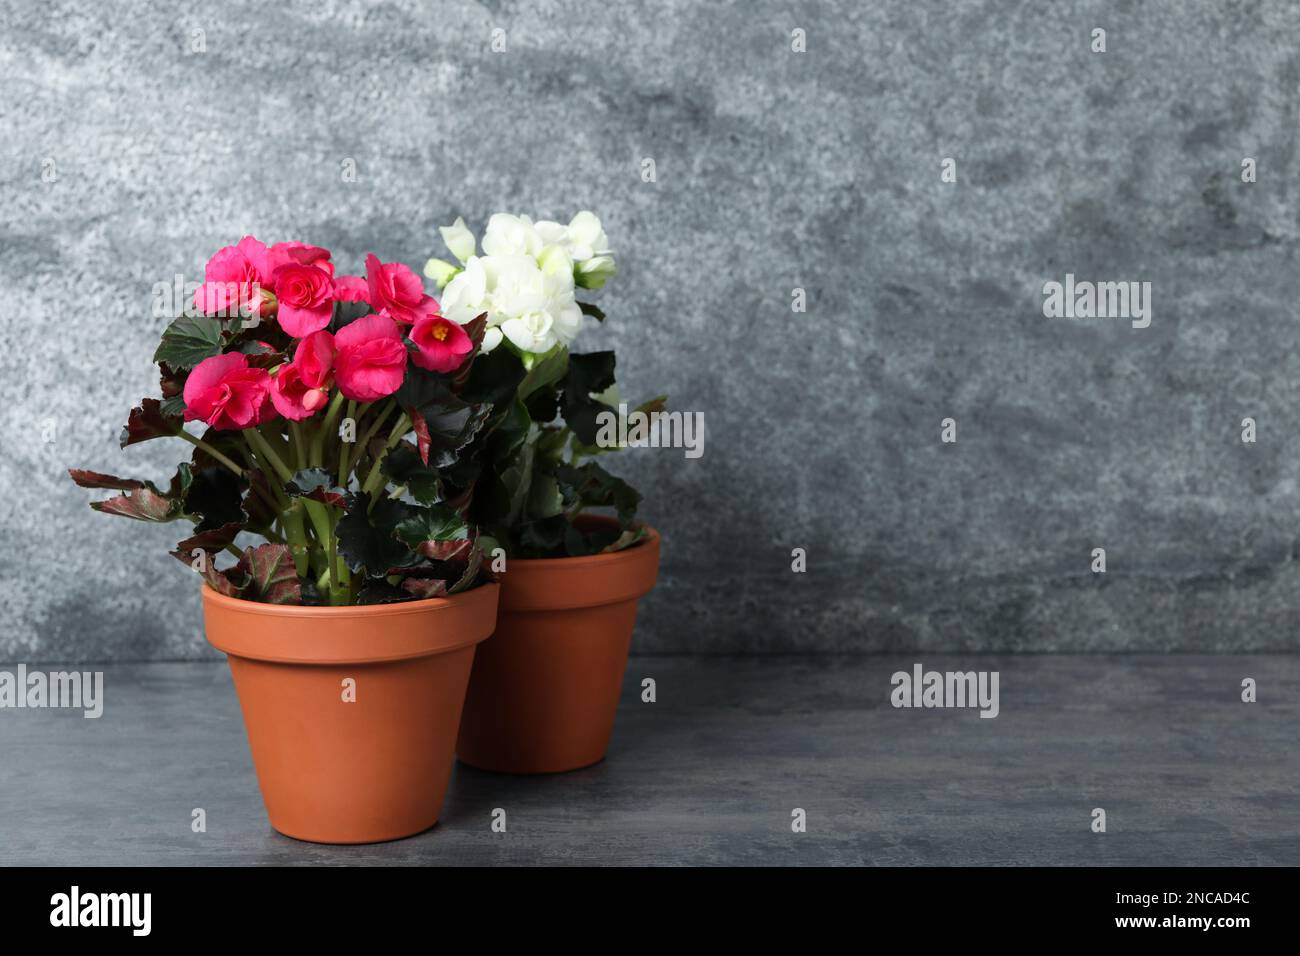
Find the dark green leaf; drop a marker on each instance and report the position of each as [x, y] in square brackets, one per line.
[590, 486]
[380, 591]
[436, 532]
[188, 341]
[493, 378]
[316, 484]
[367, 538]
[402, 467]
[589, 373]
[592, 310]
[215, 494]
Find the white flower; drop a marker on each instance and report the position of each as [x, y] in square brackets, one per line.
[511, 236]
[532, 305]
[583, 238]
[459, 240]
[586, 238]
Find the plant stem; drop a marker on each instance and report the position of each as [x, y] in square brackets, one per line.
[208, 449]
[343, 446]
[296, 535]
[299, 446]
[373, 478]
[331, 415]
[262, 447]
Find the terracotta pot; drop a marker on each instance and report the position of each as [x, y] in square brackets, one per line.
[545, 686]
[376, 768]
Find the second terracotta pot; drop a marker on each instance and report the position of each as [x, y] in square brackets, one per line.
[545, 687]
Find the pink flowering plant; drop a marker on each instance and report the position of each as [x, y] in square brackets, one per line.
[331, 416]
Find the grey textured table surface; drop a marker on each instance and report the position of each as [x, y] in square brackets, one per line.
[709, 774]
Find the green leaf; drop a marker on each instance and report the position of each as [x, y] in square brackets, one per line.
[546, 372]
[543, 538]
[589, 373]
[470, 576]
[215, 495]
[592, 310]
[380, 591]
[590, 486]
[544, 498]
[367, 538]
[317, 484]
[493, 378]
[188, 341]
[402, 467]
[436, 532]
[272, 577]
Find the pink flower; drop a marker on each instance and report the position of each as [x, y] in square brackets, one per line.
[299, 253]
[306, 296]
[442, 344]
[224, 392]
[371, 359]
[396, 291]
[350, 289]
[232, 280]
[302, 387]
[315, 359]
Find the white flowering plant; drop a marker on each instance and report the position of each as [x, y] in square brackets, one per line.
[537, 476]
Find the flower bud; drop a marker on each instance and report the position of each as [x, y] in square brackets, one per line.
[592, 273]
[440, 272]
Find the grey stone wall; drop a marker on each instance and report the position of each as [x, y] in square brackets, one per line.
[775, 170]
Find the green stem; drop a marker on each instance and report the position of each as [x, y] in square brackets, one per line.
[331, 416]
[373, 478]
[296, 536]
[263, 448]
[299, 445]
[369, 433]
[208, 449]
[343, 446]
[324, 522]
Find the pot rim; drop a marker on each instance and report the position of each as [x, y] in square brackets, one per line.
[342, 610]
[352, 633]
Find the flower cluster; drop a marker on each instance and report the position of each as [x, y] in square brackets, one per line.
[526, 278]
[324, 397]
[380, 441]
[295, 283]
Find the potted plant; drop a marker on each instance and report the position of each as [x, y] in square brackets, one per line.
[333, 430]
[544, 689]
